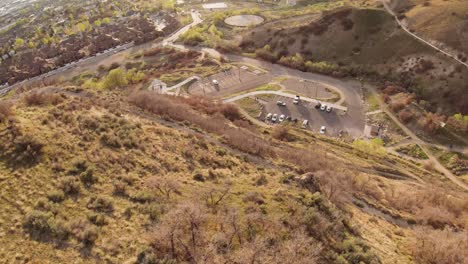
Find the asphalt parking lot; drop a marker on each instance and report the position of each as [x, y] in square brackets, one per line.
[335, 121]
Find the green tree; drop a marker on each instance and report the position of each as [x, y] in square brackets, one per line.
[19, 42]
[106, 20]
[115, 79]
[135, 76]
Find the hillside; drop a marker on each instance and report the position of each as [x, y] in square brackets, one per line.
[443, 21]
[121, 176]
[363, 42]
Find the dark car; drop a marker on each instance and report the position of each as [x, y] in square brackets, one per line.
[288, 118]
[318, 105]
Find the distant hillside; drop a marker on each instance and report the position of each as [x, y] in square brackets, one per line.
[369, 40]
[443, 21]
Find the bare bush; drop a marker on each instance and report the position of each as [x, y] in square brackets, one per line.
[36, 98]
[281, 133]
[165, 185]
[440, 246]
[431, 123]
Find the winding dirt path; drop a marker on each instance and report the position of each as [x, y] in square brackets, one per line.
[403, 26]
[435, 162]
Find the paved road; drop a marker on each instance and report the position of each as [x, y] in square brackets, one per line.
[284, 94]
[196, 19]
[403, 26]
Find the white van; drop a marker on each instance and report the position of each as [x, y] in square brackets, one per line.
[305, 123]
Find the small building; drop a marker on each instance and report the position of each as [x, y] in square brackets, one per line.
[215, 6]
[373, 131]
[158, 86]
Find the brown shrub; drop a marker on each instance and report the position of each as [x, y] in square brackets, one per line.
[152, 52]
[397, 106]
[5, 111]
[39, 98]
[391, 90]
[230, 111]
[431, 123]
[440, 246]
[405, 116]
[281, 133]
[179, 109]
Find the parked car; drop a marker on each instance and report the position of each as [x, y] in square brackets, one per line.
[269, 115]
[323, 129]
[323, 107]
[294, 120]
[305, 123]
[329, 109]
[281, 118]
[296, 100]
[318, 105]
[281, 103]
[274, 118]
[215, 82]
[288, 118]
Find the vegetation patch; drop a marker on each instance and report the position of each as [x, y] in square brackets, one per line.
[413, 150]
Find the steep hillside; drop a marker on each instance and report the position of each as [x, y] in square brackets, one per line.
[365, 41]
[121, 177]
[443, 21]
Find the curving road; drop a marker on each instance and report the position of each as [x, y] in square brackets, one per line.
[289, 95]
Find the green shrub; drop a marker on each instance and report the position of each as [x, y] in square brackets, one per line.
[97, 219]
[100, 204]
[43, 225]
[69, 186]
[56, 196]
[27, 150]
[199, 177]
[143, 197]
[154, 211]
[88, 178]
[115, 79]
[110, 140]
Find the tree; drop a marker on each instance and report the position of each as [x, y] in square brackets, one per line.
[19, 42]
[134, 76]
[106, 20]
[115, 79]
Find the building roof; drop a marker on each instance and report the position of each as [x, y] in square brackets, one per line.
[215, 5]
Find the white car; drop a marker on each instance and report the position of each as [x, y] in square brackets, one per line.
[268, 117]
[305, 123]
[281, 118]
[329, 109]
[323, 107]
[281, 103]
[274, 118]
[296, 100]
[323, 129]
[215, 82]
